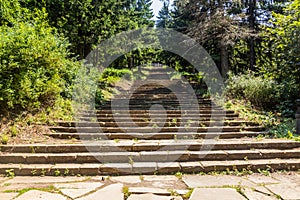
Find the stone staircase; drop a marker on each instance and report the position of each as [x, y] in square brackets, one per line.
[157, 134]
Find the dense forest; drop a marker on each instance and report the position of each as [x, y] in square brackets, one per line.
[255, 44]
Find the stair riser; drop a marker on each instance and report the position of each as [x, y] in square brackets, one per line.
[140, 119]
[125, 107]
[144, 157]
[202, 109]
[159, 111]
[99, 169]
[116, 147]
[143, 124]
[153, 129]
[172, 116]
[160, 136]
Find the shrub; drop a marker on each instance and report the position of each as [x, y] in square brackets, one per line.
[110, 76]
[264, 92]
[260, 91]
[34, 65]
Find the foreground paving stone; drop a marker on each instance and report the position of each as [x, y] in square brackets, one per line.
[143, 190]
[194, 181]
[75, 190]
[254, 195]
[261, 179]
[168, 181]
[160, 178]
[216, 193]
[111, 192]
[126, 179]
[3, 179]
[151, 197]
[40, 195]
[285, 191]
[288, 178]
[8, 196]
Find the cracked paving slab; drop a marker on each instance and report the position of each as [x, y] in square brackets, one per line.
[216, 193]
[75, 190]
[111, 192]
[40, 195]
[194, 181]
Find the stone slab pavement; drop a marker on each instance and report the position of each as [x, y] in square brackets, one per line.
[279, 185]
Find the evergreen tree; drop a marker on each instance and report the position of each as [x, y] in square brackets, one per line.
[164, 16]
[144, 13]
[86, 23]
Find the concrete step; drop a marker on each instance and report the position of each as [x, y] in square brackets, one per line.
[137, 99]
[169, 123]
[134, 101]
[147, 107]
[157, 116]
[201, 109]
[152, 96]
[154, 145]
[148, 167]
[92, 118]
[155, 129]
[156, 136]
[147, 156]
[158, 112]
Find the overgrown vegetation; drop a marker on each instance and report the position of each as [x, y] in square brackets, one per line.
[264, 92]
[35, 69]
[279, 126]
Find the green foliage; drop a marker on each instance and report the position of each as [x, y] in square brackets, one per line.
[34, 65]
[259, 91]
[4, 138]
[10, 173]
[13, 131]
[86, 23]
[281, 45]
[110, 76]
[247, 112]
[164, 16]
[285, 129]
[107, 82]
[263, 92]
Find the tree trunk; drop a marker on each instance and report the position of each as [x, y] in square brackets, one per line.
[224, 60]
[252, 7]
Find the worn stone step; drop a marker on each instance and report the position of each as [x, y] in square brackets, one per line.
[155, 129]
[158, 112]
[187, 116]
[201, 109]
[157, 101]
[156, 136]
[148, 107]
[138, 99]
[169, 123]
[147, 167]
[133, 99]
[176, 111]
[147, 156]
[154, 145]
[92, 118]
[158, 96]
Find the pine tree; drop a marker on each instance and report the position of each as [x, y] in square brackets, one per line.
[164, 16]
[144, 13]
